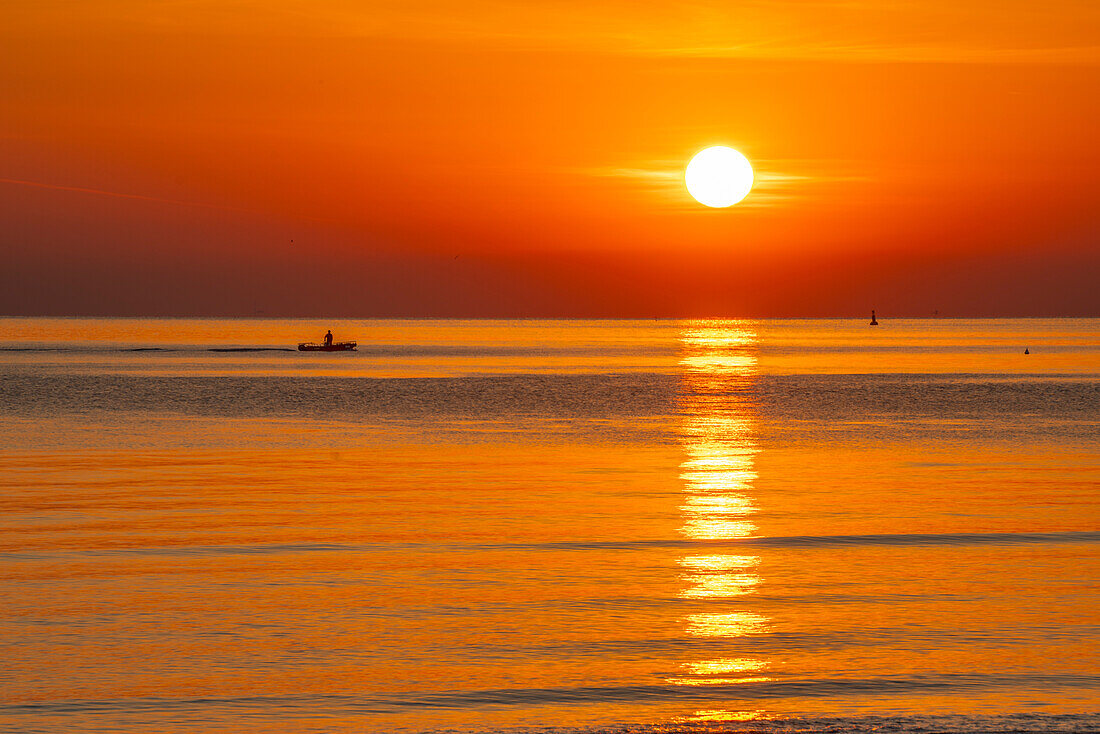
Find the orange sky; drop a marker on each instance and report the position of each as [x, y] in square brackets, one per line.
[332, 157]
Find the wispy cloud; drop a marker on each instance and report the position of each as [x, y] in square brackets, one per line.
[772, 184]
[120, 195]
[934, 31]
[884, 53]
[138, 197]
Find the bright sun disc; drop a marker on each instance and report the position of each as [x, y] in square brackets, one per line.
[718, 176]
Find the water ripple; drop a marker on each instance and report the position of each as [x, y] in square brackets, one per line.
[507, 697]
[792, 541]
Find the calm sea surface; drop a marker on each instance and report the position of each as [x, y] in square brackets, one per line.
[648, 526]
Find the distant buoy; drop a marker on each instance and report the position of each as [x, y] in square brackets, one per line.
[1026, 351]
[874, 321]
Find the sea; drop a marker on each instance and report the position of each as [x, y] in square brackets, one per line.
[650, 526]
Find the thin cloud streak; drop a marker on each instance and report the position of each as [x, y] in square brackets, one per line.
[770, 187]
[859, 31]
[875, 53]
[140, 197]
[120, 195]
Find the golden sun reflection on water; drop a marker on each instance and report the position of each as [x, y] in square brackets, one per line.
[725, 715]
[729, 624]
[719, 563]
[717, 433]
[717, 529]
[713, 586]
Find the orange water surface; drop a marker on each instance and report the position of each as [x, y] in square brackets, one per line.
[472, 526]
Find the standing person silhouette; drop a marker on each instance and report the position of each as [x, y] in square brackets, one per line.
[328, 338]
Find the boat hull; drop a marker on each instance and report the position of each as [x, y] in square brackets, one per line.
[335, 347]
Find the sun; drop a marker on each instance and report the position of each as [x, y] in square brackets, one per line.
[718, 176]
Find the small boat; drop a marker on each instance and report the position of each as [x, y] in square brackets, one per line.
[334, 347]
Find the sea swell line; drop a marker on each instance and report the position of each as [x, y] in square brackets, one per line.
[796, 541]
[748, 691]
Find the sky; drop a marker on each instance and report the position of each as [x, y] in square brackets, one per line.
[432, 158]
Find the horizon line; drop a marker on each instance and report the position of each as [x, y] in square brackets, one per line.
[269, 317]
